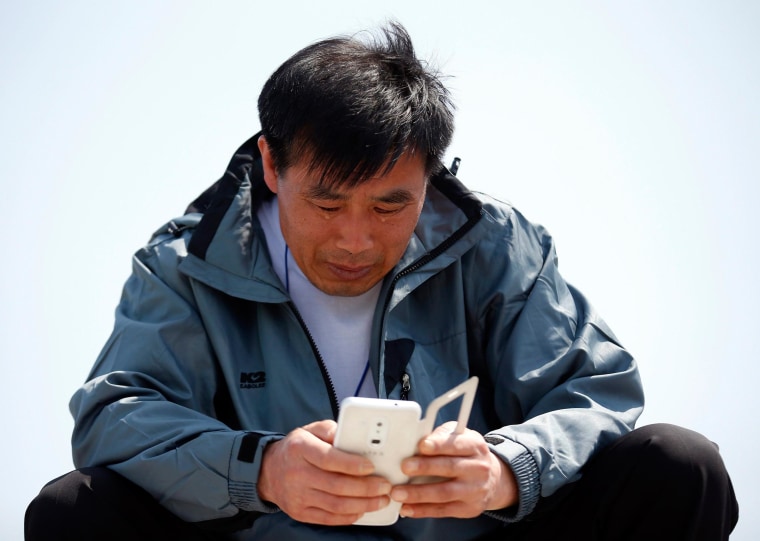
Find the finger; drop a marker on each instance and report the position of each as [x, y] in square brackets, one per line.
[444, 499]
[438, 466]
[321, 454]
[324, 430]
[348, 506]
[446, 429]
[354, 487]
[304, 490]
[336, 512]
[334, 460]
[442, 433]
[319, 506]
[454, 510]
[320, 516]
[444, 441]
[444, 491]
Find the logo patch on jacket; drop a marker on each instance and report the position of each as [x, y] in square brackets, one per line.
[252, 380]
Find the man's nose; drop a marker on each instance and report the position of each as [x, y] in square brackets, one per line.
[355, 233]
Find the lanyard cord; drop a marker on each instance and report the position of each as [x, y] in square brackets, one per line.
[361, 381]
[287, 288]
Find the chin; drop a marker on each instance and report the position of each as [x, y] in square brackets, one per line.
[345, 289]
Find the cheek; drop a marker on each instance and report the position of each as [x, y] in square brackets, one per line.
[312, 236]
[395, 238]
[297, 232]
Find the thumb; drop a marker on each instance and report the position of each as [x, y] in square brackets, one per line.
[324, 430]
[434, 441]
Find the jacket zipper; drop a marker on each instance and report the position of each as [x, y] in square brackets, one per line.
[423, 260]
[320, 362]
[406, 386]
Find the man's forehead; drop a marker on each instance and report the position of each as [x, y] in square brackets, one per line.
[335, 173]
[395, 184]
[386, 194]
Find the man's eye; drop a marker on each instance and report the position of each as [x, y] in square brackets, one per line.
[327, 209]
[385, 211]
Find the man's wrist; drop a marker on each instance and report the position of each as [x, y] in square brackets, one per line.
[265, 484]
[506, 493]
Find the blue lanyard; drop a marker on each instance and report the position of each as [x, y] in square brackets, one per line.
[287, 288]
[361, 381]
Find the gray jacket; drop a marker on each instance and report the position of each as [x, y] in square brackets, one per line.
[209, 359]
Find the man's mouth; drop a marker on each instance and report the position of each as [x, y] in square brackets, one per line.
[349, 272]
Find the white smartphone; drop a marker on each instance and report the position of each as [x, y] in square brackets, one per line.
[387, 431]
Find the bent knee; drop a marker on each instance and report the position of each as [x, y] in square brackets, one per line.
[679, 453]
[66, 503]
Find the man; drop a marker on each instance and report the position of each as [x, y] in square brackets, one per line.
[338, 257]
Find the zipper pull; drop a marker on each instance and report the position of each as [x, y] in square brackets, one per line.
[405, 386]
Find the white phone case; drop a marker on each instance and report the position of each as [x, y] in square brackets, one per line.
[387, 431]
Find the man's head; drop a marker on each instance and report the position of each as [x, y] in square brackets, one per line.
[351, 132]
[352, 107]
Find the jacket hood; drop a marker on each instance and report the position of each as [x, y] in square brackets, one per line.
[227, 250]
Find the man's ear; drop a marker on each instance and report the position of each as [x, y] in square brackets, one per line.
[270, 172]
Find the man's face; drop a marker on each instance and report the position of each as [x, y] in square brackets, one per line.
[346, 240]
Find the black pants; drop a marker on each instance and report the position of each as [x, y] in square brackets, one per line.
[658, 482]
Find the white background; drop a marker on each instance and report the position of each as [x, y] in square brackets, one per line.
[629, 129]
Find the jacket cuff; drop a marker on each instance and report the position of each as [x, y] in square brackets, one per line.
[526, 473]
[245, 464]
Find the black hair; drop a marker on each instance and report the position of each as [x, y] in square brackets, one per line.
[353, 107]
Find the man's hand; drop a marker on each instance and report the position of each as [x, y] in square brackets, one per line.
[311, 481]
[476, 481]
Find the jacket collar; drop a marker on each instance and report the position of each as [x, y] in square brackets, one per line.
[227, 250]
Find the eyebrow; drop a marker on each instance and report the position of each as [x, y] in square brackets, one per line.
[324, 193]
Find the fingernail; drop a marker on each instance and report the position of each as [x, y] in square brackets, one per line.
[399, 494]
[427, 446]
[406, 511]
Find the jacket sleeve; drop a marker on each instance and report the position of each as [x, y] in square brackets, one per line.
[564, 387]
[149, 408]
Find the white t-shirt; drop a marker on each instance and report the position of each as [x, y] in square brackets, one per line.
[340, 326]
